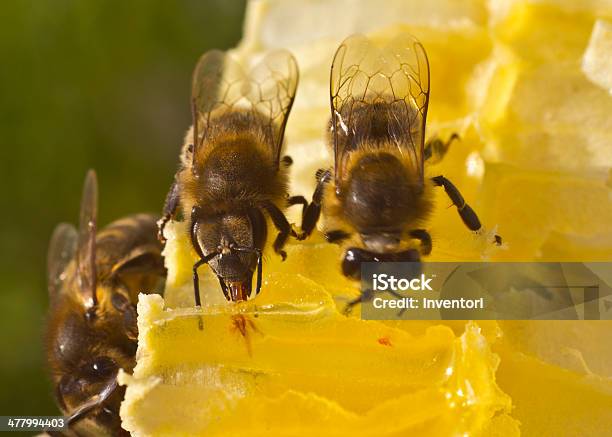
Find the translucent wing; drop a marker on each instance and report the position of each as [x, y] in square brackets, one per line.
[61, 251]
[86, 247]
[379, 93]
[265, 95]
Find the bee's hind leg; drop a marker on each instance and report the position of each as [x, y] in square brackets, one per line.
[283, 226]
[435, 149]
[467, 214]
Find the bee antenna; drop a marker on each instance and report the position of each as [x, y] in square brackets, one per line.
[86, 243]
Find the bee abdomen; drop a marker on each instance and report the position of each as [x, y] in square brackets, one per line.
[381, 193]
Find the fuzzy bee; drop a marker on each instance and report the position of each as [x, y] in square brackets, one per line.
[378, 196]
[232, 178]
[91, 331]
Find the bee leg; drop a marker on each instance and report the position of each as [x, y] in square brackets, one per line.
[466, 213]
[435, 149]
[283, 226]
[196, 277]
[423, 236]
[298, 200]
[365, 296]
[170, 207]
[311, 214]
[196, 282]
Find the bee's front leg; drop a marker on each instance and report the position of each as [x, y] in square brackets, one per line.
[170, 206]
[283, 226]
[467, 214]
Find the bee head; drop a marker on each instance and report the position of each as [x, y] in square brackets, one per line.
[234, 248]
[86, 346]
[85, 354]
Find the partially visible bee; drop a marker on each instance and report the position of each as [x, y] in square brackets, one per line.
[91, 330]
[378, 196]
[231, 170]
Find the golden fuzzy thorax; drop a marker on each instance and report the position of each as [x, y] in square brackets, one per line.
[234, 171]
[380, 191]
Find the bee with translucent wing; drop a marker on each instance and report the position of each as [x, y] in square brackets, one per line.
[377, 197]
[231, 177]
[94, 280]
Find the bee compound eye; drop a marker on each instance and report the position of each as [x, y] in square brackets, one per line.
[119, 301]
[102, 368]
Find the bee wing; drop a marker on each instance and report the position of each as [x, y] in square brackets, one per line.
[62, 248]
[397, 76]
[267, 91]
[86, 245]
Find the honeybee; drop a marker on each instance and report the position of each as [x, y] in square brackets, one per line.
[91, 330]
[377, 196]
[231, 171]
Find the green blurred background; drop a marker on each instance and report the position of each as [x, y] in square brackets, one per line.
[85, 84]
